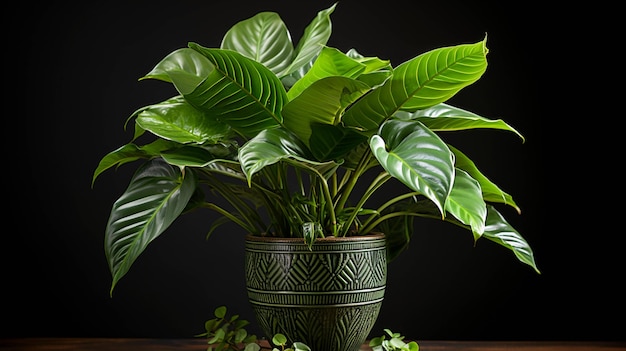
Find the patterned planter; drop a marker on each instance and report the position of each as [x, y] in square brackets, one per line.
[328, 297]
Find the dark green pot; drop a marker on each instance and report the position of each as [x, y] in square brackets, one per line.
[328, 297]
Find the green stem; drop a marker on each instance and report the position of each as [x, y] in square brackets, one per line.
[249, 227]
[394, 214]
[380, 209]
[376, 183]
[325, 192]
[353, 178]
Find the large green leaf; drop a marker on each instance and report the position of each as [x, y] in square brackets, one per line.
[155, 197]
[263, 38]
[466, 203]
[426, 80]
[330, 62]
[194, 156]
[131, 152]
[269, 147]
[376, 70]
[330, 142]
[490, 191]
[184, 67]
[417, 157]
[315, 36]
[444, 117]
[322, 103]
[498, 230]
[240, 91]
[175, 119]
[123, 154]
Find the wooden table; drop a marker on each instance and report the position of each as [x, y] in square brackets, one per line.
[109, 344]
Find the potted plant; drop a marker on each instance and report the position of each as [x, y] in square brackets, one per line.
[293, 142]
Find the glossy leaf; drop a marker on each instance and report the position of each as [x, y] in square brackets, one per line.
[155, 197]
[184, 67]
[175, 119]
[490, 191]
[376, 70]
[315, 37]
[310, 231]
[444, 117]
[129, 153]
[424, 81]
[498, 230]
[189, 156]
[333, 142]
[316, 113]
[322, 103]
[269, 147]
[417, 157]
[331, 62]
[241, 92]
[466, 204]
[123, 154]
[263, 38]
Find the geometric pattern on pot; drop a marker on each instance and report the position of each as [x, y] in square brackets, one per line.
[321, 328]
[328, 296]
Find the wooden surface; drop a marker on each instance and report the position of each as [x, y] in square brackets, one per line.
[107, 344]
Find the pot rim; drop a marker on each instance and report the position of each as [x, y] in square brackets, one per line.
[274, 239]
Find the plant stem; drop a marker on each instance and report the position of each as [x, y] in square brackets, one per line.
[353, 179]
[376, 183]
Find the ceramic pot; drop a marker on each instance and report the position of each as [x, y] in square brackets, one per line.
[327, 297]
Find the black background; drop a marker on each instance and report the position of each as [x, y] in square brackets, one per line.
[74, 80]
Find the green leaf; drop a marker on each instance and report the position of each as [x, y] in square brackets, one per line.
[329, 142]
[417, 157]
[466, 203]
[310, 231]
[426, 80]
[397, 343]
[131, 152]
[490, 191]
[443, 72]
[269, 147]
[279, 339]
[189, 156]
[210, 324]
[155, 197]
[252, 347]
[322, 104]
[331, 62]
[175, 119]
[220, 312]
[444, 117]
[240, 335]
[263, 38]
[376, 70]
[241, 92]
[298, 346]
[315, 36]
[219, 337]
[184, 67]
[413, 346]
[498, 230]
[377, 341]
[123, 154]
